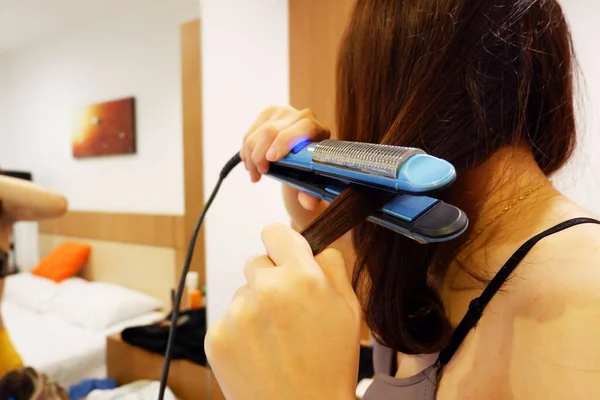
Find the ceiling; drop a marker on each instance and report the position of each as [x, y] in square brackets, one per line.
[25, 21]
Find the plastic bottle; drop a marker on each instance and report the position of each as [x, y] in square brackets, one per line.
[194, 294]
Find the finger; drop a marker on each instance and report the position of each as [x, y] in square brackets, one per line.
[286, 246]
[239, 293]
[244, 156]
[260, 141]
[241, 305]
[242, 152]
[254, 173]
[263, 117]
[307, 201]
[254, 264]
[333, 265]
[304, 129]
[213, 341]
[243, 308]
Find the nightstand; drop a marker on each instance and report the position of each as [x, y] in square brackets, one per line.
[187, 380]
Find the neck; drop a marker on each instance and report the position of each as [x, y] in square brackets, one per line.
[509, 179]
[508, 174]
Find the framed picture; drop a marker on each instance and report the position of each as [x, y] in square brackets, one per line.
[106, 129]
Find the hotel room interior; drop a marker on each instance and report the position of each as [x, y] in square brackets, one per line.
[180, 80]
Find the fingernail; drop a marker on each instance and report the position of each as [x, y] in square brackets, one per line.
[272, 154]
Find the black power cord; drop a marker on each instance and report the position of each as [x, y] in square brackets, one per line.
[231, 164]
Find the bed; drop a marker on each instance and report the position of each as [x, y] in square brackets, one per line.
[61, 329]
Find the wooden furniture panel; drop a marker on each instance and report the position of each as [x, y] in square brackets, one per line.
[316, 28]
[146, 229]
[126, 364]
[192, 139]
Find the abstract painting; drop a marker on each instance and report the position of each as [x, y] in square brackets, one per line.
[106, 129]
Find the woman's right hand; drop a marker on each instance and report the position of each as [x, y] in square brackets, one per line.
[270, 138]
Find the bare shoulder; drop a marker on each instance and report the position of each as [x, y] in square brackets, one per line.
[556, 311]
[562, 268]
[538, 338]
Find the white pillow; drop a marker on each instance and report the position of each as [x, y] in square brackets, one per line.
[99, 305]
[29, 291]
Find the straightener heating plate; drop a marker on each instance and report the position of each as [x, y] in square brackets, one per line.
[364, 157]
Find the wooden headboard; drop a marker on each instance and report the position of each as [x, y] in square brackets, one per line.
[138, 251]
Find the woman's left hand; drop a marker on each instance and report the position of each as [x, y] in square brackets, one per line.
[292, 332]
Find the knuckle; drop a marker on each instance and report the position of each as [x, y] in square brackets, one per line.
[215, 341]
[300, 129]
[249, 266]
[308, 124]
[270, 110]
[238, 293]
[267, 293]
[256, 156]
[306, 113]
[241, 313]
[250, 142]
[267, 130]
[308, 281]
[289, 109]
[313, 128]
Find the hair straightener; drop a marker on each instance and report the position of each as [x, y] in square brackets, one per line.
[324, 169]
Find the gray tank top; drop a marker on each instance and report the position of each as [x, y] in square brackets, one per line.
[385, 386]
[423, 385]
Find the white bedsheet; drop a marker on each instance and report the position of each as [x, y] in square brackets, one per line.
[65, 352]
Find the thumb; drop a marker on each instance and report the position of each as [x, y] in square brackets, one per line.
[307, 201]
[333, 265]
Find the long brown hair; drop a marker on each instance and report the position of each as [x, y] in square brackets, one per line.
[460, 79]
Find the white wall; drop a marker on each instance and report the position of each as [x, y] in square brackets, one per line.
[245, 68]
[580, 179]
[133, 52]
[3, 100]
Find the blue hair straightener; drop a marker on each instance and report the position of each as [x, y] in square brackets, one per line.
[324, 169]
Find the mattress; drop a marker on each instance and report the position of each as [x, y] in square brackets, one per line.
[63, 351]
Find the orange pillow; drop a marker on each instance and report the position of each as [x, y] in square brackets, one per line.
[63, 262]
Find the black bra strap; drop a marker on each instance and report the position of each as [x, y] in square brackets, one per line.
[478, 304]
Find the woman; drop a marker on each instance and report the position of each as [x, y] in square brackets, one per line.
[488, 86]
[20, 200]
